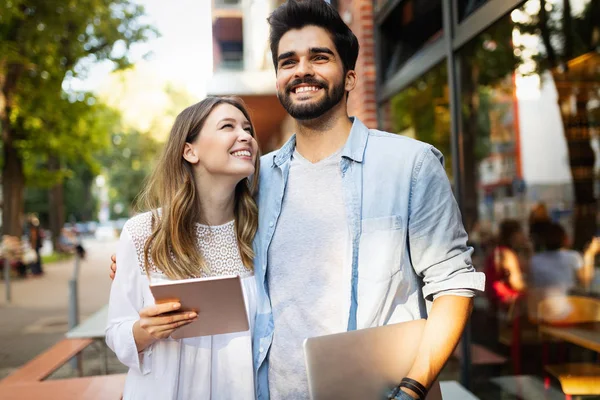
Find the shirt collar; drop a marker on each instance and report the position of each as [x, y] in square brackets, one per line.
[354, 148]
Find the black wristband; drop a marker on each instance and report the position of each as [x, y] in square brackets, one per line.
[415, 386]
[415, 389]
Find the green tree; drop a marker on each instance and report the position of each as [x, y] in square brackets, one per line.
[79, 201]
[81, 128]
[42, 42]
[127, 166]
[145, 126]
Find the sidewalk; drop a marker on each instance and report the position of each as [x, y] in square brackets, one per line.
[37, 317]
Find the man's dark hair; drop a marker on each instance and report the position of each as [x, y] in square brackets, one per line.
[296, 14]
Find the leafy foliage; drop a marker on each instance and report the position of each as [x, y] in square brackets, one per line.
[128, 165]
[43, 45]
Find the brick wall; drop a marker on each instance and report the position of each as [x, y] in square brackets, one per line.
[358, 14]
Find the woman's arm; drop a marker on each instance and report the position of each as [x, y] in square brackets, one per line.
[510, 263]
[585, 274]
[132, 328]
[126, 299]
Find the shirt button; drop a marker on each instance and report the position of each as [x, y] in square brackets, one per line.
[261, 350]
[271, 224]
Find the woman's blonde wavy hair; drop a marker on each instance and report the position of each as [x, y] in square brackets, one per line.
[172, 246]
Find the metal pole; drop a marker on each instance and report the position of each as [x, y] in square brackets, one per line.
[74, 305]
[449, 9]
[7, 278]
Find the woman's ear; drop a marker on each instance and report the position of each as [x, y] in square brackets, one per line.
[189, 154]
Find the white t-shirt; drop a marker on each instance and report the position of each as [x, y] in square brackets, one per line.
[305, 275]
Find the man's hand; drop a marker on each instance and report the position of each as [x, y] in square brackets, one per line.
[113, 267]
[158, 322]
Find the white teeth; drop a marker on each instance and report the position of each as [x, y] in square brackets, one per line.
[303, 89]
[241, 153]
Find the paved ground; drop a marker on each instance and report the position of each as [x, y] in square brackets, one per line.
[37, 316]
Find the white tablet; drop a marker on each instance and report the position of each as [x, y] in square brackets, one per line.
[218, 301]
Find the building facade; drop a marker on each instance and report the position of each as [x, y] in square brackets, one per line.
[509, 91]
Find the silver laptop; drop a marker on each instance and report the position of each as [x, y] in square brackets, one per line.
[363, 364]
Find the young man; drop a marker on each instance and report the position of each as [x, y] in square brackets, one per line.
[357, 228]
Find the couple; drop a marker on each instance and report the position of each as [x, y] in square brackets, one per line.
[354, 228]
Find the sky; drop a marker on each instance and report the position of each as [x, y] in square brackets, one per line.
[182, 54]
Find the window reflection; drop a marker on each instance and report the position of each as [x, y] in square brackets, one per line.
[422, 112]
[408, 28]
[530, 129]
[467, 7]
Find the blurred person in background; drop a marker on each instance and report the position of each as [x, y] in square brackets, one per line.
[505, 265]
[555, 270]
[36, 240]
[200, 221]
[69, 242]
[539, 220]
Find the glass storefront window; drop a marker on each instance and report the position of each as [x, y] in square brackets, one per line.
[421, 111]
[411, 26]
[530, 118]
[530, 130]
[529, 142]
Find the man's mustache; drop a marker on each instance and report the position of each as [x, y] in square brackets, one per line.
[305, 81]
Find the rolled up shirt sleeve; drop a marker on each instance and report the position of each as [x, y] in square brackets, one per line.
[126, 299]
[436, 236]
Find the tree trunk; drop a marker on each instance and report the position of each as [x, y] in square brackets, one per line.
[13, 187]
[13, 178]
[57, 204]
[576, 124]
[568, 30]
[545, 33]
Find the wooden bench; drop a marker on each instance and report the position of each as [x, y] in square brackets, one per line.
[27, 382]
[101, 387]
[46, 363]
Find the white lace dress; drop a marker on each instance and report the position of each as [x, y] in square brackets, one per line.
[210, 367]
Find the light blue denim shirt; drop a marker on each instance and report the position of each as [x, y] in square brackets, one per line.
[408, 241]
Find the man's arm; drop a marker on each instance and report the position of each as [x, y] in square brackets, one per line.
[449, 315]
[441, 257]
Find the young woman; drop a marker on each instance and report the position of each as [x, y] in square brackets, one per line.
[201, 222]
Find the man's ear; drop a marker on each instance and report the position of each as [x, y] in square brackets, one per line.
[350, 82]
[189, 154]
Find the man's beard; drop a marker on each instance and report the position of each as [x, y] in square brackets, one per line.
[312, 110]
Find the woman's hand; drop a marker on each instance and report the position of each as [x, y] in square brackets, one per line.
[158, 322]
[594, 247]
